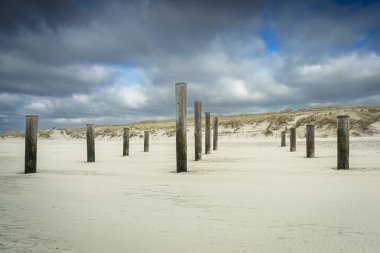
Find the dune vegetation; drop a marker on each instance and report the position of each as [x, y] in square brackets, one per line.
[364, 121]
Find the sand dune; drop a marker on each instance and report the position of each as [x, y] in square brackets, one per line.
[249, 196]
[364, 123]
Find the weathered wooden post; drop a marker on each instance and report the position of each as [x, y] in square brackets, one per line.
[215, 135]
[310, 129]
[90, 143]
[126, 142]
[146, 141]
[181, 126]
[207, 133]
[283, 138]
[293, 137]
[343, 135]
[198, 130]
[31, 131]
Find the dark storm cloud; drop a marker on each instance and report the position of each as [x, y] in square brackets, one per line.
[323, 29]
[114, 61]
[16, 15]
[127, 32]
[28, 77]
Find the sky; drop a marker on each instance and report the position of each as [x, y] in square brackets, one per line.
[114, 62]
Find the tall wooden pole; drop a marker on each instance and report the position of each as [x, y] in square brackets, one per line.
[198, 130]
[215, 135]
[90, 143]
[181, 126]
[283, 139]
[293, 142]
[343, 135]
[146, 141]
[207, 133]
[31, 130]
[126, 142]
[310, 152]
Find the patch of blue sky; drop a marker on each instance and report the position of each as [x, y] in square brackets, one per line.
[129, 75]
[364, 41]
[270, 40]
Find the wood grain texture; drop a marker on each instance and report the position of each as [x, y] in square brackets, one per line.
[31, 131]
[293, 139]
[343, 142]
[310, 146]
[283, 139]
[198, 130]
[207, 133]
[181, 126]
[126, 142]
[90, 143]
[146, 141]
[215, 134]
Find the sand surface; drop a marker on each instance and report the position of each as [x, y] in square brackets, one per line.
[249, 196]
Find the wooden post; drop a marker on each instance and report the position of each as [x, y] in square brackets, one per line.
[310, 129]
[146, 141]
[207, 133]
[126, 142]
[181, 126]
[343, 135]
[293, 137]
[283, 139]
[215, 136]
[31, 131]
[198, 130]
[90, 143]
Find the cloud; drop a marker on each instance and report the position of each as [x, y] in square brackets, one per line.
[73, 62]
[343, 78]
[19, 75]
[127, 32]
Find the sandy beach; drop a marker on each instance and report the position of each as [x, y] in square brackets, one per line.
[84, 82]
[251, 195]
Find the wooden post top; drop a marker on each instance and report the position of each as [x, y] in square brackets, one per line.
[343, 116]
[31, 116]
